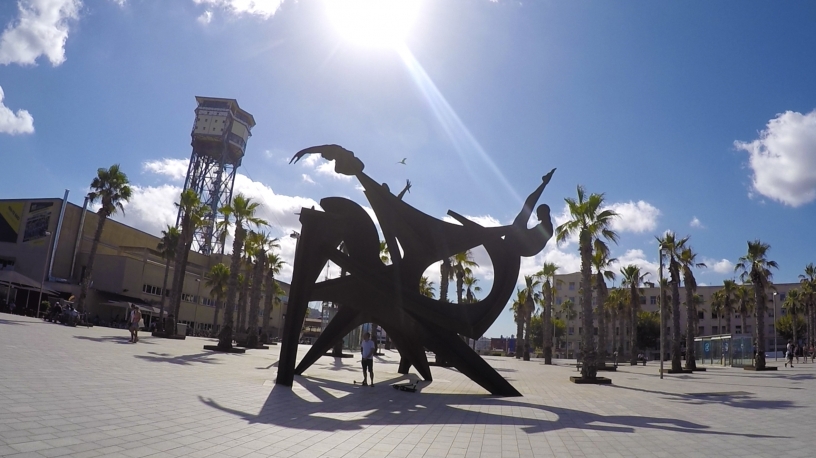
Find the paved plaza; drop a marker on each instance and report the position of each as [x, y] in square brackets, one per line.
[88, 392]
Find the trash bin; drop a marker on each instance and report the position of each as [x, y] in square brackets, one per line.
[181, 329]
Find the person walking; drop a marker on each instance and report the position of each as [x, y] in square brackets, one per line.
[789, 354]
[367, 349]
[133, 323]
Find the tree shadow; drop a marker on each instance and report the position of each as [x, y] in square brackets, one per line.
[737, 399]
[326, 405]
[181, 360]
[14, 322]
[124, 340]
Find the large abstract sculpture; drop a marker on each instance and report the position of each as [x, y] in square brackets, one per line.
[389, 294]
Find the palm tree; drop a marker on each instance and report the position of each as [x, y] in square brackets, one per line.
[602, 264]
[568, 309]
[217, 282]
[462, 264]
[745, 304]
[274, 265]
[471, 288]
[688, 261]
[591, 223]
[755, 267]
[794, 305]
[728, 289]
[167, 248]
[518, 317]
[718, 307]
[426, 287]
[633, 279]
[673, 248]
[530, 297]
[547, 273]
[243, 210]
[808, 282]
[111, 188]
[446, 275]
[263, 244]
[193, 216]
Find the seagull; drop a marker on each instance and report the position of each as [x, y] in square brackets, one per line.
[402, 161]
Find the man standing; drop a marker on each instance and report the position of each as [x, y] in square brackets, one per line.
[367, 349]
[135, 317]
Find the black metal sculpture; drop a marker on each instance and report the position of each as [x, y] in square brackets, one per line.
[389, 294]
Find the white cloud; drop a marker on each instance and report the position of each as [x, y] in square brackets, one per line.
[484, 220]
[206, 18]
[13, 123]
[638, 257]
[306, 178]
[636, 217]
[723, 266]
[262, 8]
[151, 208]
[40, 30]
[695, 222]
[783, 159]
[175, 169]
[120, 2]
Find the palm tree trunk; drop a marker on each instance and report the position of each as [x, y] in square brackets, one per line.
[225, 337]
[86, 281]
[215, 315]
[269, 298]
[633, 306]
[600, 285]
[675, 286]
[444, 269]
[547, 322]
[160, 328]
[255, 300]
[519, 332]
[759, 295]
[589, 367]
[243, 303]
[690, 320]
[528, 319]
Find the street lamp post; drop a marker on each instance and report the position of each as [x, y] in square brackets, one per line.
[198, 299]
[776, 348]
[45, 267]
[662, 311]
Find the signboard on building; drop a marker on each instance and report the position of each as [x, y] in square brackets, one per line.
[39, 216]
[10, 216]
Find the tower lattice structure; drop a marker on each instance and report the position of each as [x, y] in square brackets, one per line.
[219, 139]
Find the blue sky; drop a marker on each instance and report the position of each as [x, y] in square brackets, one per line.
[696, 117]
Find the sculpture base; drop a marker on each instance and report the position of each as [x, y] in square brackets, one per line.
[257, 347]
[608, 368]
[341, 355]
[681, 371]
[698, 369]
[591, 381]
[222, 350]
[766, 368]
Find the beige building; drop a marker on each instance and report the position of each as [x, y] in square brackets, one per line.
[51, 239]
[568, 289]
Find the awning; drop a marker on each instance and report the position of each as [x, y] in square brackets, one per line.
[20, 281]
[152, 310]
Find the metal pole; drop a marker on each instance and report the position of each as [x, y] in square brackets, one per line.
[776, 347]
[79, 236]
[45, 269]
[59, 231]
[662, 310]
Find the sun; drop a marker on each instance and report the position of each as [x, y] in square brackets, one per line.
[377, 23]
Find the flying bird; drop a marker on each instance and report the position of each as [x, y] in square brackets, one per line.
[402, 161]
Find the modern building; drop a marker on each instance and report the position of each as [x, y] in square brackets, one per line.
[49, 242]
[568, 287]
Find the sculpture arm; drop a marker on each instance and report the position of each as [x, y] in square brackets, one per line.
[527, 210]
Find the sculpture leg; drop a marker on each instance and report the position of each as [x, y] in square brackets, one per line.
[463, 358]
[412, 353]
[343, 323]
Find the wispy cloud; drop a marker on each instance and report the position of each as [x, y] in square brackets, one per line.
[19, 122]
[695, 222]
[40, 30]
[260, 8]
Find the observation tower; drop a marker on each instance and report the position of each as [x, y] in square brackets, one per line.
[220, 135]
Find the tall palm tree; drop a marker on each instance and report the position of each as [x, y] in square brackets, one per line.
[794, 305]
[518, 317]
[530, 296]
[673, 248]
[193, 216]
[446, 275]
[688, 261]
[568, 310]
[263, 245]
[664, 308]
[633, 279]
[110, 187]
[462, 264]
[808, 282]
[718, 307]
[426, 287]
[745, 304]
[217, 282]
[167, 248]
[591, 223]
[602, 264]
[547, 274]
[755, 267]
[471, 288]
[243, 210]
[274, 265]
[728, 289]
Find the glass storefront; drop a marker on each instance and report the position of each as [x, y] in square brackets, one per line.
[724, 350]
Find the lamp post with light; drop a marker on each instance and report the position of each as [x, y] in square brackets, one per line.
[776, 348]
[45, 267]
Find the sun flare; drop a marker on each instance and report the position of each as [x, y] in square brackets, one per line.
[379, 23]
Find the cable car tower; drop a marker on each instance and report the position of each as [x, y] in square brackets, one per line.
[220, 133]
